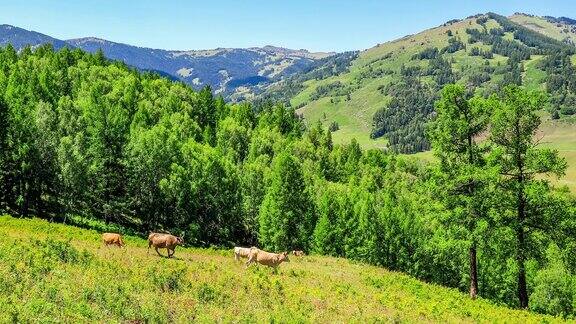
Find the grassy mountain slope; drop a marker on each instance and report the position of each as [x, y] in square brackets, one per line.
[62, 273]
[362, 88]
[562, 29]
[355, 115]
[561, 135]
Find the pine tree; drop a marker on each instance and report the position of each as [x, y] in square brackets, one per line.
[286, 215]
[520, 161]
[454, 136]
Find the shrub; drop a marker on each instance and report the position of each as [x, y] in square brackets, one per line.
[206, 293]
[63, 251]
[334, 126]
[168, 278]
[554, 288]
[568, 110]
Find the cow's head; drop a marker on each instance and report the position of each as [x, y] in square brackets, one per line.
[284, 257]
[181, 238]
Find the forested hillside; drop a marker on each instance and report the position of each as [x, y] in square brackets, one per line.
[86, 137]
[386, 95]
[235, 73]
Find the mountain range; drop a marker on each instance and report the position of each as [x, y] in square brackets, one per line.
[236, 73]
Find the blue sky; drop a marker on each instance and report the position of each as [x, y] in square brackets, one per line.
[319, 25]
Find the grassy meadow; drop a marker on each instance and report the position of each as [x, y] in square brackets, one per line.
[560, 135]
[59, 273]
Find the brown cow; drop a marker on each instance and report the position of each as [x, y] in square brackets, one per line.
[266, 258]
[241, 252]
[298, 253]
[112, 239]
[167, 241]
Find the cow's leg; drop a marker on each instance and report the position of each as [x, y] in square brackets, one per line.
[249, 262]
[168, 250]
[158, 252]
[236, 256]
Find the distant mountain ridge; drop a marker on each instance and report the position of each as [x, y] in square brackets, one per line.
[237, 73]
[20, 37]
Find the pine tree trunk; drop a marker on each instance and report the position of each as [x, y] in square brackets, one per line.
[521, 253]
[473, 272]
[522, 289]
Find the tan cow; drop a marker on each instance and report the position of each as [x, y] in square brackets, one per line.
[266, 258]
[242, 252]
[112, 239]
[298, 253]
[164, 241]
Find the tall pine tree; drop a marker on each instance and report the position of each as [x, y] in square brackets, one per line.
[455, 140]
[286, 213]
[520, 161]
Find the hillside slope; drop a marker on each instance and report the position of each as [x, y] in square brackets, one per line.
[236, 73]
[451, 52]
[54, 272]
[562, 29]
[233, 72]
[363, 88]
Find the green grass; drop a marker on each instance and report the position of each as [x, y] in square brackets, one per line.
[561, 135]
[534, 78]
[59, 273]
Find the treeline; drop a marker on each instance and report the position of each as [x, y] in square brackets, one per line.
[332, 89]
[499, 45]
[560, 83]
[320, 70]
[539, 43]
[83, 135]
[403, 120]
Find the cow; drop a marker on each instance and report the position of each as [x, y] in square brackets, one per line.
[167, 241]
[298, 253]
[241, 252]
[266, 258]
[112, 239]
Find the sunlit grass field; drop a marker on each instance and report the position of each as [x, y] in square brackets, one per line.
[561, 135]
[59, 273]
